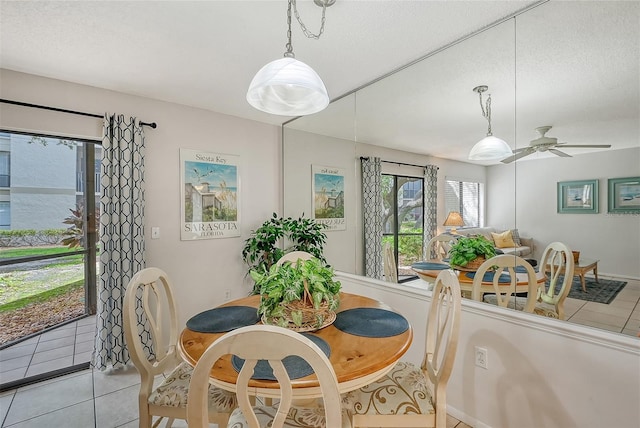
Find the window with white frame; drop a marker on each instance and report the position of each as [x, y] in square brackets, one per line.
[467, 198]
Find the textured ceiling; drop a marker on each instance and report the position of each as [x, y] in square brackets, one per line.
[575, 64]
[205, 53]
[570, 65]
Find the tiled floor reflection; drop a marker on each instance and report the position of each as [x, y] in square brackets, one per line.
[622, 315]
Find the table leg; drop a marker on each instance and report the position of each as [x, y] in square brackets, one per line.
[584, 287]
[595, 272]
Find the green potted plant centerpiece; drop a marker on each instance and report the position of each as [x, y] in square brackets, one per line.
[300, 295]
[471, 251]
[263, 249]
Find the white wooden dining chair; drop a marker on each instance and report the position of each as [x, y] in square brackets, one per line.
[148, 296]
[439, 246]
[504, 293]
[294, 256]
[389, 263]
[273, 344]
[410, 396]
[557, 260]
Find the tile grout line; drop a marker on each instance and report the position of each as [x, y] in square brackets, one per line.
[32, 355]
[75, 344]
[631, 314]
[93, 392]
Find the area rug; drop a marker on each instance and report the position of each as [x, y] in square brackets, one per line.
[603, 291]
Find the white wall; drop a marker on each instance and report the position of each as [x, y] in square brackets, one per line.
[201, 270]
[302, 150]
[614, 239]
[541, 373]
[578, 376]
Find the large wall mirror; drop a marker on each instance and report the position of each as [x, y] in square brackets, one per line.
[573, 66]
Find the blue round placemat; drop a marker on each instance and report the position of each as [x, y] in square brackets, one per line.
[522, 269]
[371, 322]
[226, 318]
[488, 277]
[296, 367]
[430, 266]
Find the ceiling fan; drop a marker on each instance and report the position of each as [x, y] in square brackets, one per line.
[544, 144]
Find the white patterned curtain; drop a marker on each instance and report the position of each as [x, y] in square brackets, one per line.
[430, 207]
[372, 213]
[122, 243]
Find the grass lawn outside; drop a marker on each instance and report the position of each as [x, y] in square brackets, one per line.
[37, 295]
[18, 284]
[11, 252]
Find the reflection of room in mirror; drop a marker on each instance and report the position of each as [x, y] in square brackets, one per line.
[579, 85]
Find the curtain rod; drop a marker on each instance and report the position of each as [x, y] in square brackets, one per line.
[62, 110]
[396, 163]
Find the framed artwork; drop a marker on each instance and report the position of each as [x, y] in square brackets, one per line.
[328, 196]
[624, 195]
[579, 197]
[209, 188]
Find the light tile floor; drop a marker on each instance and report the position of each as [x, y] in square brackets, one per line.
[89, 398]
[65, 346]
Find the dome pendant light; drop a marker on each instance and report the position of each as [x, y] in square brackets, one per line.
[490, 147]
[286, 86]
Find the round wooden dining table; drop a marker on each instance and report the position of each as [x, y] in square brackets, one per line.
[357, 360]
[466, 281]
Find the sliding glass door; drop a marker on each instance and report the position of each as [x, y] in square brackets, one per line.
[403, 221]
[49, 188]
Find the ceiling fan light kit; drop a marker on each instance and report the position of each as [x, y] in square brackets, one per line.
[286, 86]
[490, 147]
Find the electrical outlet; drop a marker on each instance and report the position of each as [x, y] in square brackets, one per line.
[481, 357]
[227, 295]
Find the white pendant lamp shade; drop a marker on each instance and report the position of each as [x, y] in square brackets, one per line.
[490, 148]
[288, 87]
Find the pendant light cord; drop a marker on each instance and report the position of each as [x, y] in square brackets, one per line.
[304, 27]
[292, 3]
[486, 112]
[289, 53]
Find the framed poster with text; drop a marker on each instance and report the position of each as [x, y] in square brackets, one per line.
[328, 197]
[210, 188]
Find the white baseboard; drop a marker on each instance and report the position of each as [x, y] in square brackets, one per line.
[613, 275]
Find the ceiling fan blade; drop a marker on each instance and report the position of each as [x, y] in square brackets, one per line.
[521, 149]
[522, 153]
[592, 146]
[559, 153]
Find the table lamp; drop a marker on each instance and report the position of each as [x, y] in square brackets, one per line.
[454, 219]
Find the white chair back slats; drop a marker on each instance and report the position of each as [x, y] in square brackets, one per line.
[275, 344]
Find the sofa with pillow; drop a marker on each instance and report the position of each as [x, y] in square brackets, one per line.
[508, 241]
